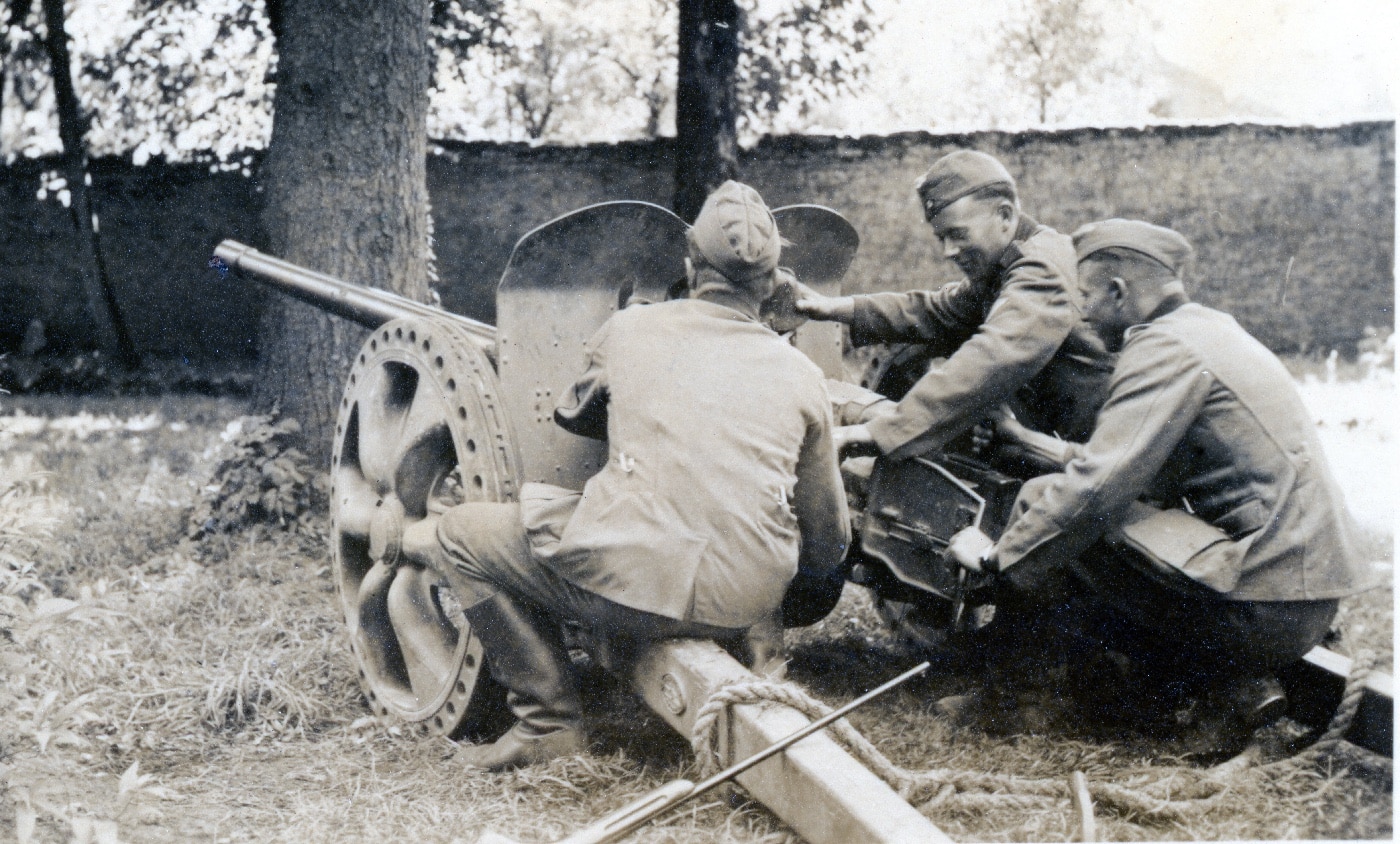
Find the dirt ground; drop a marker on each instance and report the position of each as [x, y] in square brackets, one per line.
[155, 688]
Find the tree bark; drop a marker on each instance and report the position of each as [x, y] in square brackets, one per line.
[345, 187]
[112, 336]
[707, 143]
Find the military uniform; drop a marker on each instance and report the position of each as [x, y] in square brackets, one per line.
[721, 484]
[721, 477]
[1199, 415]
[1198, 530]
[1019, 331]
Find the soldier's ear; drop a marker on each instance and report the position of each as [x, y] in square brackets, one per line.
[1118, 289]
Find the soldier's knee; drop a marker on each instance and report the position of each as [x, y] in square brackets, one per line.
[477, 532]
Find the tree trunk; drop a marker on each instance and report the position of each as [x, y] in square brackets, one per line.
[345, 187]
[111, 333]
[707, 144]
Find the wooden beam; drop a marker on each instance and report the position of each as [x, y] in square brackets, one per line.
[816, 787]
[1315, 685]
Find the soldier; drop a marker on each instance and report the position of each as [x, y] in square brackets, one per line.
[1014, 322]
[721, 484]
[1200, 417]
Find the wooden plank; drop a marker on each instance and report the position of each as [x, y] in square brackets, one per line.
[816, 787]
[1315, 685]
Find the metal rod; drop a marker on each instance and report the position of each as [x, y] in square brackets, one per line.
[779, 746]
[640, 812]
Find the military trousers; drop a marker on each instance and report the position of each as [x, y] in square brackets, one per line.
[1151, 610]
[491, 553]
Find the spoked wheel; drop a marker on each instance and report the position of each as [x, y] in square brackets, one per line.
[420, 429]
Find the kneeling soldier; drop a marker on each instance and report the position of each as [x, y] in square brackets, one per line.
[721, 485]
[1201, 417]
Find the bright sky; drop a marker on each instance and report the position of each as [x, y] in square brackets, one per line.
[1292, 61]
[1306, 59]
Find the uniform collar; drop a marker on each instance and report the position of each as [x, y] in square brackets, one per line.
[738, 306]
[1025, 227]
[1175, 299]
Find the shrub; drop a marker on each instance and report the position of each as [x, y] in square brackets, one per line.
[262, 478]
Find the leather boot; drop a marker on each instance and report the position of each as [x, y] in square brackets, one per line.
[1231, 711]
[764, 649]
[526, 655]
[1257, 700]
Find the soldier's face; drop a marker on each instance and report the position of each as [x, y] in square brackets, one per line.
[973, 233]
[1107, 304]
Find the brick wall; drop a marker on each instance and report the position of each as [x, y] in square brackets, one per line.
[1294, 227]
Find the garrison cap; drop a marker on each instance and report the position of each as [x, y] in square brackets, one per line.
[736, 233]
[959, 174]
[1156, 242]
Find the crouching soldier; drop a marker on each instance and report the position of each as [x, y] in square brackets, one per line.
[721, 484]
[1012, 324]
[1202, 418]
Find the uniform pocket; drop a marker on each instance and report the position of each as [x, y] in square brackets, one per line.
[1175, 543]
[1244, 519]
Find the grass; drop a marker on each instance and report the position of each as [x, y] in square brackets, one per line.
[162, 690]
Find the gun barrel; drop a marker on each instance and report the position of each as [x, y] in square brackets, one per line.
[365, 305]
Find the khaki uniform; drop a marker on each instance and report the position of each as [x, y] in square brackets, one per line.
[1200, 415]
[1021, 330]
[1200, 412]
[721, 477]
[721, 485]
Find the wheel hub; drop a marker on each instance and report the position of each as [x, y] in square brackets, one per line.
[386, 531]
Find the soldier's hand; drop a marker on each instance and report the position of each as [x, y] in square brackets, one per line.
[816, 306]
[847, 436]
[972, 548]
[779, 310]
[984, 433]
[1000, 424]
[1007, 425]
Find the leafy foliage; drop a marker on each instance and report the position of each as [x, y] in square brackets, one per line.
[186, 80]
[92, 373]
[561, 69]
[565, 70]
[27, 79]
[193, 80]
[460, 26]
[261, 479]
[1055, 48]
[183, 80]
[806, 54]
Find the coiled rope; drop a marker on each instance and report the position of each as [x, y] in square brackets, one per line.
[1180, 794]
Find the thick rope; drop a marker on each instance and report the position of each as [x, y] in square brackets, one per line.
[1361, 666]
[1182, 794]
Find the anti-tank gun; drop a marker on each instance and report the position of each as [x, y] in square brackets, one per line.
[439, 409]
